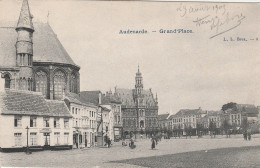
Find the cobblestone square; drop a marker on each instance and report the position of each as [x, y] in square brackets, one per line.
[103, 157]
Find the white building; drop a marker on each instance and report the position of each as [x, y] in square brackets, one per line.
[84, 121]
[49, 122]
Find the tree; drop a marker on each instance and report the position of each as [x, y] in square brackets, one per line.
[244, 125]
[230, 105]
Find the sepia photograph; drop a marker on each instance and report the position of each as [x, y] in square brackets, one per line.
[129, 84]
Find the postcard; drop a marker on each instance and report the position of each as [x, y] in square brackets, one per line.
[129, 84]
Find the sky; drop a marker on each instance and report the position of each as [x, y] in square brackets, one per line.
[186, 70]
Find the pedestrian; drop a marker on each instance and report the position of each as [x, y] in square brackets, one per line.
[108, 142]
[245, 135]
[153, 143]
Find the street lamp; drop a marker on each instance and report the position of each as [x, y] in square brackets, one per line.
[27, 147]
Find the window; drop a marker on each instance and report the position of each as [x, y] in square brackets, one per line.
[33, 121]
[73, 83]
[46, 122]
[41, 82]
[72, 110]
[7, 81]
[59, 84]
[17, 139]
[66, 138]
[56, 123]
[18, 121]
[29, 59]
[66, 123]
[33, 138]
[57, 138]
[22, 56]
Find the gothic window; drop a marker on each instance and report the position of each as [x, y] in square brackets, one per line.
[7, 81]
[73, 83]
[30, 59]
[30, 84]
[59, 84]
[41, 82]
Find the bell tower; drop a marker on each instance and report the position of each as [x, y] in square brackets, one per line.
[138, 91]
[24, 48]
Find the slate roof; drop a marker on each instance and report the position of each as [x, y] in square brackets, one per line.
[90, 96]
[188, 112]
[163, 116]
[46, 45]
[25, 18]
[126, 97]
[30, 103]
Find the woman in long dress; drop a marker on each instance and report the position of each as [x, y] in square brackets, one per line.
[153, 143]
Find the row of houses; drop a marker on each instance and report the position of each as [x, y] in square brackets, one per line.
[27, 117]
[190, 121]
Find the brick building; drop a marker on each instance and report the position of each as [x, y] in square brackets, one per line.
[139, 107]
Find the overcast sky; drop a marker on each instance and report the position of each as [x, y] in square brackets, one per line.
[185, 70]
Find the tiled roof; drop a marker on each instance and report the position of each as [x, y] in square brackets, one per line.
[46, 46]
[188, 112]
[75, 98]
[58, 108]
[30, 103]
[107, 99]
[214, 113]
[90, 96]
[163, 116]
[126, 97]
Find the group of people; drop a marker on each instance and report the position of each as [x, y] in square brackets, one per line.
[247, 135]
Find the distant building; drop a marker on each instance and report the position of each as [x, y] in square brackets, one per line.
[139, 107]
[163, 120]
[49, 122]
[187, 118]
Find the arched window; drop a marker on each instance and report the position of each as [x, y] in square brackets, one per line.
[41, 82]
[73, 83]
[59, 84]
[7, 81]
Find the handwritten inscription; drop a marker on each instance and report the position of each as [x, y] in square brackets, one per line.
[216, 17]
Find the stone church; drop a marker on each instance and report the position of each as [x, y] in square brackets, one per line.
[32, 58]
[139, 107]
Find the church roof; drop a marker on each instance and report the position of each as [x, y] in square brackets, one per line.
[46, 46]
[25, 18]
[30, 103]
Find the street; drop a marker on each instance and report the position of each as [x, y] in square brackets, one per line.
[100, 157]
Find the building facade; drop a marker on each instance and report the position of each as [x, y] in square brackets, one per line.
[139, 107]
[48, 122]
[84, 121]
